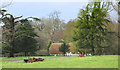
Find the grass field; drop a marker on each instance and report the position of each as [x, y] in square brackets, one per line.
[105, 61]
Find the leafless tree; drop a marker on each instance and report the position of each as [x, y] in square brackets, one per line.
[3, 5]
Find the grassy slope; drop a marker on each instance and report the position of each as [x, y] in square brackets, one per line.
[108, 61]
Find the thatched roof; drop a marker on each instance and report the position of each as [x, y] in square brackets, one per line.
[54, 48]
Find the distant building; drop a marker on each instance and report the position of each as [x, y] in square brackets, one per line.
[54, 48]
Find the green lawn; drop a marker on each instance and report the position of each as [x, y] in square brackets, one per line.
[106, 61]
[19, 58]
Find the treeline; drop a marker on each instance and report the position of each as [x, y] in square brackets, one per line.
[91, 32]
[30, 35]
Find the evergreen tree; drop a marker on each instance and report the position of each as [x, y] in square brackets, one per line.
[90, 29]
[9, 29]
[50, 42]
[24, 39]
[10, 23]
[64, 48]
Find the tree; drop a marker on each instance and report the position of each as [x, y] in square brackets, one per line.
[90, 29]
[51, 29]
[49, 44]
[56, 25]
[5, 5]
[10, 23]
[68, 31]
[113, 39]
[116, 7]
[73, 48]
[64, 48]
[0, 41]
[24, 39]
[99, 24]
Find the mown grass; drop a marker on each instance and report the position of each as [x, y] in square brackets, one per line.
[19, 58]
[106, 61]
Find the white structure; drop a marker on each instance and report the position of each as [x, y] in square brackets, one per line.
[70, 54]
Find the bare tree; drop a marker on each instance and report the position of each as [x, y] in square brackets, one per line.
[3, 5]
[55, 22]
[116, 6]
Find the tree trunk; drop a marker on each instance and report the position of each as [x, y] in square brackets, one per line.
[117, 8]
[12, 25]
[119, 46]
[64, 53]
[100, 51]
[26, 53]
[82, 53]
[119, 29]
[11, 54]
[12, 47]
[93, 51]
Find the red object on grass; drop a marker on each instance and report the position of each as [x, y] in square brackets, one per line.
[33, 60]
[40, 59]
[80, 55]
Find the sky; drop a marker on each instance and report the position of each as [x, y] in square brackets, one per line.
[42, 8]
[68, 10]
[56, 0]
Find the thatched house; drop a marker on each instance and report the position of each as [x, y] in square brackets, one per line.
[54, 48]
